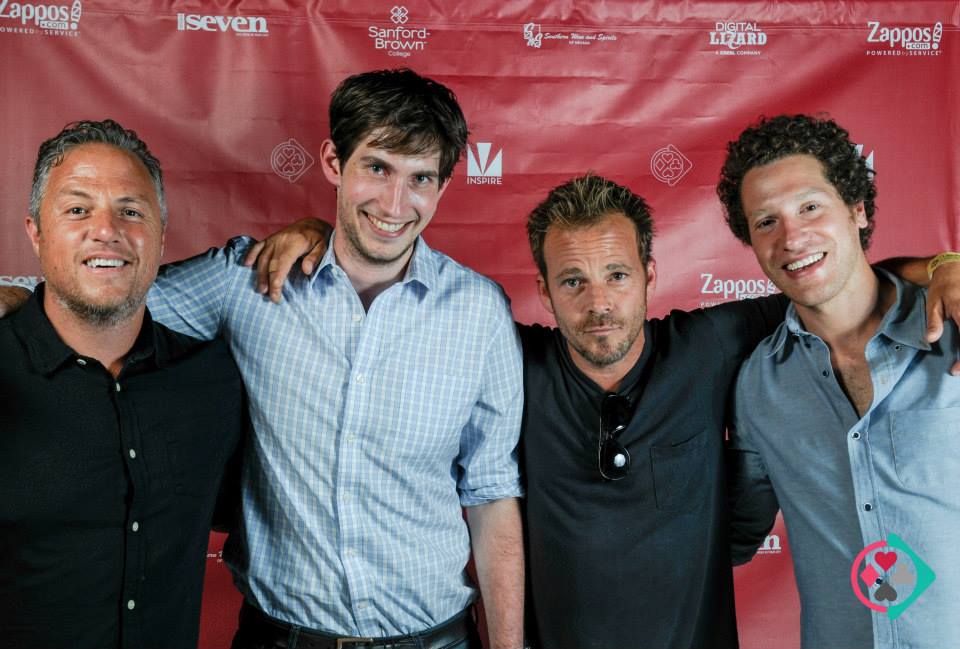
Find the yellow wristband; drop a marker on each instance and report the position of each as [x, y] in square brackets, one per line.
[940, 260]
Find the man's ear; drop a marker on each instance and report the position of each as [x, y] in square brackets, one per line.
[443, 186]
[330, 163]
[543, 291]
[651, 278]
[33, 231]
[860, 215]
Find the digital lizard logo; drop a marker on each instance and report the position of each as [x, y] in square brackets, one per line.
[888, 576]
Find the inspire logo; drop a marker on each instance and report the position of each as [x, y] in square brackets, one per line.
[888, 576]
[481, 170]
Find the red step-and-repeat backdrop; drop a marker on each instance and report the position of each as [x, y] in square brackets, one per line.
[232, 97]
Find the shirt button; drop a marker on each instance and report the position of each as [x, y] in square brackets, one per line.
[357, 318]
[855, 434]
[135, 526]
[351, 437]
[867, 507]
[360, 378]
[80, 361]
[131, 604]
[826, 372]
[117, 386]
[897, 347]
[133, 454]
[362, 605]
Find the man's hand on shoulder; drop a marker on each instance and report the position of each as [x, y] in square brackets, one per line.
[943, 301]
[275, 255]
[11, 299]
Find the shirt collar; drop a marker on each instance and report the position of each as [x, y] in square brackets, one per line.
[48, 352]
[422, 267]
[905, 322]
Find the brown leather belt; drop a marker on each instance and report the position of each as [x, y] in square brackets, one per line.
[265, 629]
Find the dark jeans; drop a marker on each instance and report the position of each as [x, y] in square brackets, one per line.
[257, 631]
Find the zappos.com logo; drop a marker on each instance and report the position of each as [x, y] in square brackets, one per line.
[26, 281]
[239, 25]
[904, 41]
[720, 289]
[400, 40]
[738, 38]
[888, 576]
[481, 169]
[48, 19]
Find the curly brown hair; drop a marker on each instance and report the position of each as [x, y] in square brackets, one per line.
[784, 135]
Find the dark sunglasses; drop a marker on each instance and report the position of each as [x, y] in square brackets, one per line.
[613, 459]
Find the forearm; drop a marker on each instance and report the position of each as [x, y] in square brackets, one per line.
[11, 299]
[497, 539]
[912, 269]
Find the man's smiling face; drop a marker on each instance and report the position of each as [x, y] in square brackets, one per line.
[384, 201]
[100, 233]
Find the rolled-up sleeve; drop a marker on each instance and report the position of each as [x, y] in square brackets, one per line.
[488, 443]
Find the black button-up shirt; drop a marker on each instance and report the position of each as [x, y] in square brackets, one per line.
[107, 486]
[643, 561]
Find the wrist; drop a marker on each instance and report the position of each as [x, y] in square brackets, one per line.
[940, 260]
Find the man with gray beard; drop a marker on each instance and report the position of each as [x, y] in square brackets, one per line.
[115, 431]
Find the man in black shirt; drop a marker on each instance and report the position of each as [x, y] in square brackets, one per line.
[115, 431]
[623, 436]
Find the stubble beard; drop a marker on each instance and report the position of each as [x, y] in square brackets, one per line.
[602, 355]
[101, 315]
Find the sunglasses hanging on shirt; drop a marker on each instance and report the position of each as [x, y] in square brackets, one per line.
[613, 459]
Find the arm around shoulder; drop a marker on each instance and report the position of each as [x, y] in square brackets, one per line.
[12, 298]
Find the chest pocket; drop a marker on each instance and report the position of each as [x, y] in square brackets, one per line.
[926, 447]
[680, 473]
[193, 436]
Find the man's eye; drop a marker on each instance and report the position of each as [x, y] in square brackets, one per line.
[810, 207]
[618, 276]
[421, 180]
[78, 211]
[376, 168]
[571, 282]
[133, 214]
[763, 224]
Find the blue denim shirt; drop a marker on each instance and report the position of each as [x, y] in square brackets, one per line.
[845, 482]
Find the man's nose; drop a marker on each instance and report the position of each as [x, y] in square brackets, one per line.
[599, 299]
[104, 224]
[397, 197]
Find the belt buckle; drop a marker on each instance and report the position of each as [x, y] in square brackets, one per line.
[345, 643]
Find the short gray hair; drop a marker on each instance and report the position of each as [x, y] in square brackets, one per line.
[86, 132]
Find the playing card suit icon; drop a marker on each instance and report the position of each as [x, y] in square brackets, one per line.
[885, 559]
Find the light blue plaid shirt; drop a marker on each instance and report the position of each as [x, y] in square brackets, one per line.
[371, 431]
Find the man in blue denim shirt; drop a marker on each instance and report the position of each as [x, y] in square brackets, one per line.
[847, 415]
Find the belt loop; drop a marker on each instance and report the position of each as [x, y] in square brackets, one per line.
[294, 637]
